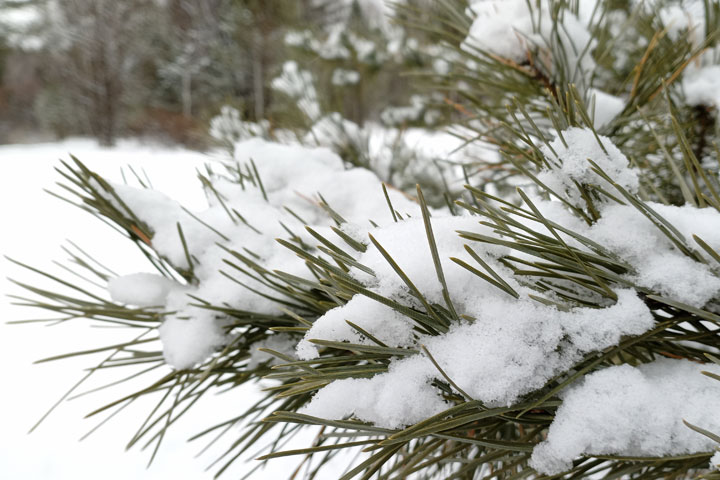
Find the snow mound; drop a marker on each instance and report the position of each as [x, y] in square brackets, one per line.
[633, 412]
[570, 151]
[512, 348]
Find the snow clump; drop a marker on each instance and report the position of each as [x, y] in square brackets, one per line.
[509, 29]
[569, 153]
[633, 411]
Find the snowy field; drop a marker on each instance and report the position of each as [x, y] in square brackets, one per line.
[34, 226]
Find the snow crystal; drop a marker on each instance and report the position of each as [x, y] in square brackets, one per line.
[515, 346]
[573, 165]
[680, 278]
[632, 411]
[141, 289]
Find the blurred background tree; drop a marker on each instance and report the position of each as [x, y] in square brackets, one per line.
[164, 69]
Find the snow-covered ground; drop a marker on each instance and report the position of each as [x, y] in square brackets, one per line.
[34, 226]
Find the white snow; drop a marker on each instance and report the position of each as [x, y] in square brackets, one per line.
[715, 461]
[384, 323]
[53, 450]
[687, 16]
[394, 399]
[284, 166]
[510, 29]
[190, 337]
[569, 163]
[632, 411]
[141, 289]
[512, 348]
[161, 214]
[659, 266]
[408, 113]
[407, 243]
[19, 23]
[606, 107]
[291, 176]
[528, 342]
[702, 86]
[629, 234]
[501, 28]
[401, 157]
[502, 349]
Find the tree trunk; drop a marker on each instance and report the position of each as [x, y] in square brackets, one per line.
[187, 93]
[258, 75]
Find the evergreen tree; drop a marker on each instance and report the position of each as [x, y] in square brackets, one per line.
[96, 48]
[368, 111]
[553, 321]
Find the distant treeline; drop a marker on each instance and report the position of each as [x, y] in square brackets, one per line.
[111, 68]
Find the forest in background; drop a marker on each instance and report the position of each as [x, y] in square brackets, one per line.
[165, 68]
